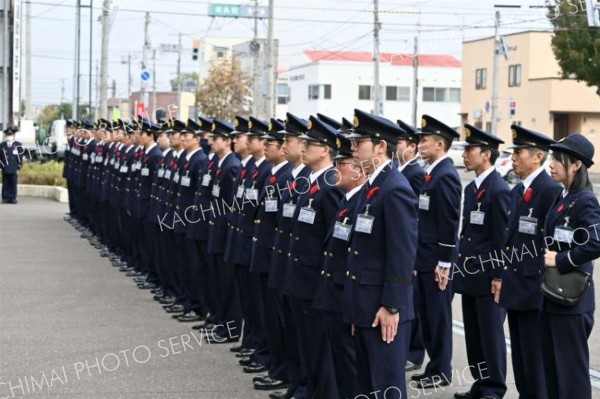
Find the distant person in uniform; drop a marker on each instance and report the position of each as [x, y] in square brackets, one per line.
[10, 163]
[573, 244]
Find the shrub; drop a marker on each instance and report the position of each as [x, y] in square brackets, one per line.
[42, 174]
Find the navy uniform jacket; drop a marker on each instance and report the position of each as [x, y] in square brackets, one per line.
[243, 181]
[478, 260]
[225, 178]
[163, 175]
[523, 253]
[241, 244]
[438, 226]
[329, 295]
[281, 240]
[107, 172]
[147, 174]
[177, 163]
[10, 157]
[381, 263]
[198, 215]
[187, 193]
[583, 211]
[415, 175]
[113, 195]
[305, 253]
[129, 200]
[67, 158]
[265, 222]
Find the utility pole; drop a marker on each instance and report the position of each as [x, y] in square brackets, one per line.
[154, 82]
[97, 108]
[104, 60]
[271, 69]
[255, 48]
[179, 82]
[495, 72]
[143, 90]
[90, 68]
[76, 77]
[28, 110]
[377, 103]
[415, 81]
[62, 90]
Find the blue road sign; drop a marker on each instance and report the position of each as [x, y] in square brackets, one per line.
[145, 75]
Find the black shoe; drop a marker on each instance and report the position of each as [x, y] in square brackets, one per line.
[236, 349]
[417, 377]
[245, 352]
[189, 317]
[133, 274]
[410, 366]
[219, 339]
[176, 308]
[263, 377]
[432, 382]
[146, 286]
[466, 395]
[157, 291]
[254, 368]
[245, 361]
[126, 269]
[167, 300]
[279, 395]
[139, 280]
[270, 385]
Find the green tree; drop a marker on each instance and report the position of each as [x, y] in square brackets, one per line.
[185, 76]
[576, 46]
[60, 111]
[225, 91]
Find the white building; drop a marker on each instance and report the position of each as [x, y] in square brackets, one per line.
[335, 82]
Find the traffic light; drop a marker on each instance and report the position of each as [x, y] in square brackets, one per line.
[513, 107]
[195, 49]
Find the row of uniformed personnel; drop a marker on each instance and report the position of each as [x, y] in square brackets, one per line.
[334, 255]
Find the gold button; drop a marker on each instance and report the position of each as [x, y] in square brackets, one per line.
[290, 234]
[507, 248]
[349, 250]
[254, 239]
[347, 273]
[356, 253]
[325, 253]
[295, 259]
[273, 248]
[280, 251]
[322, 272]
[505, 267]
[459, 255]
[353, 277]
[289, 254]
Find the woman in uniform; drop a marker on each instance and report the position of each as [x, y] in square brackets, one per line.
[572, 244]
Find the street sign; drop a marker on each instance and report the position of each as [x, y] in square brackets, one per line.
[513, 107]
[145, 75]
[237, 11]
[593, 12]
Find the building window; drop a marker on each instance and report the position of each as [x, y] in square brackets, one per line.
[393, 93]
[283, 93]
[435, 94]
[514, 75]
[316, 92]
[454, 95]
[364, 92]
[480, 79]
[296, 77]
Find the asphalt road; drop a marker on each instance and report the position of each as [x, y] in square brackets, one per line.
[72, 326]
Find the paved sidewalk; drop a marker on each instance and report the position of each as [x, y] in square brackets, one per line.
[72, 326]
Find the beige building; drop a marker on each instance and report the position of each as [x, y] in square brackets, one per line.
[530, 84]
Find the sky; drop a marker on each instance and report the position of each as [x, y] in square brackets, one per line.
[440, 25]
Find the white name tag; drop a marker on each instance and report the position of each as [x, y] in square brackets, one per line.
[271, 205]
[138, 165]
[477, 217]
[185, 181]
[527, 225]
[176, 178]
[99, 159]
[564, 234]
[161, 172]
[117, 165]
[288, 210]
[206, 180]
[240, 192]
[168, 175]
[424, 202]
[145, 172]
[105, 162]
[364, 224]
[124, 169]
[216, 190]
[252, 194]
[85, 156]
[342, 231]
[307, 215]
[93, 158]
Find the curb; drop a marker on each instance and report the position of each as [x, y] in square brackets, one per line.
[59, 194]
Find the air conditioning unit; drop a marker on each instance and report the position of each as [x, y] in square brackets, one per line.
[477, 113]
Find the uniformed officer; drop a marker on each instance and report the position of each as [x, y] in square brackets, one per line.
[407, 157]
[298, 183]
[223, 193]
[484, 220]
[519, 289]
[439, 208]
[378, 297]
[329, 293]
[314, 215]
[11, 160]
[572, 246]
[265, 219]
